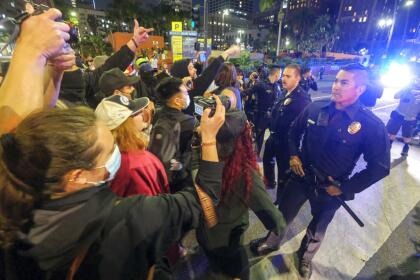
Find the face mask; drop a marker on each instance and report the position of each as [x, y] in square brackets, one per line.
[187, 101]
[112, 166]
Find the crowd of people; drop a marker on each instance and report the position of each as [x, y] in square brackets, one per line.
[104, 170]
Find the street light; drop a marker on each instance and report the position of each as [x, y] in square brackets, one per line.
[73, 14]
[240, 32]
[238, 40]
[385, 22]
[408, 4]
[225, 13]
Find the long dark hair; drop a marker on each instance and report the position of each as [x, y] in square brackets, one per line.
[36, 157]
[241, 163]
[227, 76]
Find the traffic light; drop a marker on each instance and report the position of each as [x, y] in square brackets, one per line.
[195, 16]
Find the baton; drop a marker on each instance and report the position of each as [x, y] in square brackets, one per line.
[337, 184]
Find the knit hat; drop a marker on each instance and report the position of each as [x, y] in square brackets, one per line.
[116, 109]
[72, 87]
[180, 68]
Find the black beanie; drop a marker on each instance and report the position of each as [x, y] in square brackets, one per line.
[73, 87]
[180, 68]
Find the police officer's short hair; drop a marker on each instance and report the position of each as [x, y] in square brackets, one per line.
[274, 69]
[305, 69]
[295, 67]
[360, 72]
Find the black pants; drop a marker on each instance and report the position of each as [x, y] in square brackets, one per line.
[323, 208]
[276, 150]
[261, 125]
[231, 261]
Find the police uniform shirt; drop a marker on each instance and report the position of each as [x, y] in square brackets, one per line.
[334, 140]
[286, 110]
[266, 94]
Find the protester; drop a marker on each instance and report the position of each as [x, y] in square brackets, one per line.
[242, 189]
[172, 132]
[87, 82]
[53, 172]
[197, 85]
[115, 82]
[140, 172]
[404, 117]
[228, 85]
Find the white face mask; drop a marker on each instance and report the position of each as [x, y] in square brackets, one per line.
[187, 101]
[112, 166]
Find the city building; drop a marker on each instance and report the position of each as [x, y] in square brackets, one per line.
[91, 21]
[240, 8]
[226, 18]
[180, 5]
[369, 24]
[297, 5]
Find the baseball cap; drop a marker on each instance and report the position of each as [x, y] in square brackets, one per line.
[146, 68]
[114, 79]
[115, 109]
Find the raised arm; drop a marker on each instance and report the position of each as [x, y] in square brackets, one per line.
[22, 91]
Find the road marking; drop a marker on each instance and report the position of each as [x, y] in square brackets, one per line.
[320, 97]
[383, 107]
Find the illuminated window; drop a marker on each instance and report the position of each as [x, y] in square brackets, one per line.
[350, 7]
[353, 20]
[354, 14]
[364, 19]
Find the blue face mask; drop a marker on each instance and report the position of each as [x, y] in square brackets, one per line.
[112, 166]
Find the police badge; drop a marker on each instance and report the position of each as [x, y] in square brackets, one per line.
[287, 101]
[354, 127]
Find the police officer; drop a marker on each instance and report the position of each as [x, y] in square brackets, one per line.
[293, 100]
[264, 94]
[308, 81]
[335, 134]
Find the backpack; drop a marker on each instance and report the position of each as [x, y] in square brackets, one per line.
[165, 145]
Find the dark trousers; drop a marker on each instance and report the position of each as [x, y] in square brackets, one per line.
[276, 150]
[323, 208]
[230, 261]
[261, 125]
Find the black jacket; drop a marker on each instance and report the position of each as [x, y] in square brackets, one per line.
[120, 59]
[124, 237]
[286, 110]
[334, 140]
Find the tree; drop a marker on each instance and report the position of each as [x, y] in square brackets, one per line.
[93, 23]
[94, 45]
[266, 4]
[323, 32]
[301, 23]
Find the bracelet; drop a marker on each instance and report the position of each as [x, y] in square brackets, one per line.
[135, 43]
[212, 143]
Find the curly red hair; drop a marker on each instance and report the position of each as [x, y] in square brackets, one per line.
[241, 163]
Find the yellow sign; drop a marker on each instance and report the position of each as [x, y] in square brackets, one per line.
[177, 26]
[177, 48]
